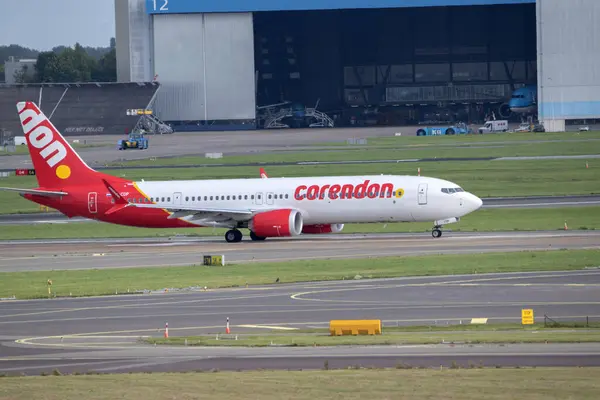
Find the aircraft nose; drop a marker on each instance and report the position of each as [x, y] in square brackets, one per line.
[475, 202]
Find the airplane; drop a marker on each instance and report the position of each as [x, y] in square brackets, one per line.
[268, 207]
[524, 100]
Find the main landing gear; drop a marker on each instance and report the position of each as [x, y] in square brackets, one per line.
[234, 236]
[436, 232]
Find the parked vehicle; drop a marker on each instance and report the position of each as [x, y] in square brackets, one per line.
[136, 140]
[494, 126]
[460, 128]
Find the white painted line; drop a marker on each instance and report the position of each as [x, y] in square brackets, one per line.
[281, 328]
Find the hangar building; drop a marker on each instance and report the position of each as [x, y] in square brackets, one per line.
[363, 62]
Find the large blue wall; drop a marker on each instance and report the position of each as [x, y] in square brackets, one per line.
[200, 6]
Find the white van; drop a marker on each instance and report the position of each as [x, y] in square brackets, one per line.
[494, 126]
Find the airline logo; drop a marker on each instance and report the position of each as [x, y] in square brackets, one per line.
[40, 134]
[348, 191]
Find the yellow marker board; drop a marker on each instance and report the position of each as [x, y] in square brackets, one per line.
[214, 260]
[526, 316]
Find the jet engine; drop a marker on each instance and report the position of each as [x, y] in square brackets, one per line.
[322, 228]
[277, 223]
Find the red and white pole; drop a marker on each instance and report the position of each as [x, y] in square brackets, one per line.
[166, 330]
[227, 330]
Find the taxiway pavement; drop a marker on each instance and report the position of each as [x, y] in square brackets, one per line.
[39, 255]
[492, 202]
[103, 334]
[199, 143]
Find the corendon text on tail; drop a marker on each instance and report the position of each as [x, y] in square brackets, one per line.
[266, 206]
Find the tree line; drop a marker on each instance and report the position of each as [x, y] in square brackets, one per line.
[64, 64]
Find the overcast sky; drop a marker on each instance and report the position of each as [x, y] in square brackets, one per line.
[43, 24]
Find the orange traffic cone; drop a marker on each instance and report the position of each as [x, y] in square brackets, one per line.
[227, 330]
[166, 330]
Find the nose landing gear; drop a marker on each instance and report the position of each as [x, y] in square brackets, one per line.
[436, 232]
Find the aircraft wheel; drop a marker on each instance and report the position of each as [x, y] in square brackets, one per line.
[253, 236]
[436, 233]
[233, 236]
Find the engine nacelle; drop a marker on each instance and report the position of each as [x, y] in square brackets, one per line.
[277, 223]
[322, 228]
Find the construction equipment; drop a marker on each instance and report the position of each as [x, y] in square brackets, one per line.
[136, 140]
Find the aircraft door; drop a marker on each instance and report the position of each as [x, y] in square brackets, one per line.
[422, 194]
[177, 198]
[93, 202]
[258, 198]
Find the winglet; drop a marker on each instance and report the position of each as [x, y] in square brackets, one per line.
[263, 174]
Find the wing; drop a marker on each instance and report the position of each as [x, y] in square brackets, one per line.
[224, 217]
[37, 192]
[204, 215]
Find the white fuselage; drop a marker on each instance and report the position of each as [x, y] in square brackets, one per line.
[404, 198]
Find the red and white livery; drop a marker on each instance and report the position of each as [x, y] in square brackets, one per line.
[267, 206]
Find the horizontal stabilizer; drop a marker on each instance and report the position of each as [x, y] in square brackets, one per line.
[37, 192]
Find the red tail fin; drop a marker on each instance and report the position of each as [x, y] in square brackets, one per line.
[56, 163]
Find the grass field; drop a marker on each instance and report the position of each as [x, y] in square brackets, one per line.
[388, 338]
[578, 332]
[409, 138]
[485, 220]
[348, 384]
[484, 178]
[391, 151]
[108, 281]
[509, 144]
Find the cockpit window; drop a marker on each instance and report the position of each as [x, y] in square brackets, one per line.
[452, 190]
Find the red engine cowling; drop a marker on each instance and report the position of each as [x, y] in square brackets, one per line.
[277, 223]
[322, 228]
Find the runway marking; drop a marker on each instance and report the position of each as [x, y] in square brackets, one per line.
[379, 306]
[530, 205]
[282, 328]
[148, 304]
[297, 296]
[57, 365]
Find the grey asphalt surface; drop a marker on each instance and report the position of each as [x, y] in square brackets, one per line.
[102, 334]
[43, 255]
[199, 143]
[496, 202]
